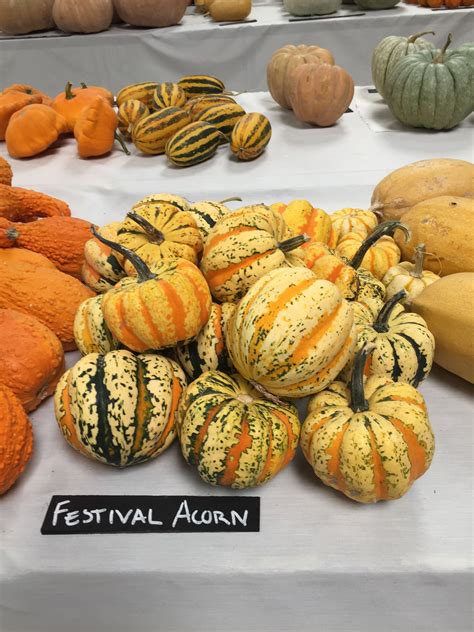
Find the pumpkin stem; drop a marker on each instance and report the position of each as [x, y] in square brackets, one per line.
[385, 228]
[261, 389]
[68, 91]
[12, 234]
[381, 324]
[83, 85]
[440, 56]
[293, 242]
[414, 37]
[420, 252]
[143, 271]
[156, 235]
[119, 139]
[358, 402]
[231, 199]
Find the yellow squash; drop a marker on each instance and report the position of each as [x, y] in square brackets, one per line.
[409, 276]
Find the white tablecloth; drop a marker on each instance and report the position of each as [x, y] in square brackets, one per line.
[320, 561]
[238, 54]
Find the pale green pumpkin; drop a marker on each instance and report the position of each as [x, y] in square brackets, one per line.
[390, 50]
[431, 89]
[312, 7]
[376, 4]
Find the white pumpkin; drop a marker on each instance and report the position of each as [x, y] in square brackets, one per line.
[311, 7]
[18, 17]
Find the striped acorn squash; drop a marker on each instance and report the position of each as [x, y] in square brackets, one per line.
[370, 442]
[129, 113]
[291, 333]
[103, 267]
[243, 246]
[159, 230]
[168, 95]
[198, 85]
[120, 408]
[208, 350]
[301, 217]
[409, 277]
[159, 198]
[157, 309]
[138, 91]
[250, 136]
[223, 116]
[152, 132]
[196, 105]
[193, 144]
[353, 220]
[207, 213]
[90, 331]
[404, 347]
[233, 435]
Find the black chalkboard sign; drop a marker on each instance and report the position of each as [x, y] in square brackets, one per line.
[151, 514]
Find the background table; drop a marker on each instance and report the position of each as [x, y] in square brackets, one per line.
[238, 53]
[320, 562]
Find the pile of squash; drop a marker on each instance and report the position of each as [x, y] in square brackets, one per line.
[411, 76]
[306, 80]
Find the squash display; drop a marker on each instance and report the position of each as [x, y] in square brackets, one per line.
[409, 276]
[250, 136]
[90, 330]
[31, 357]
[423, 180]
[16, 438]
[208, 350]
[151, 133]
[33, 129]
[6, 173]
[390, 50]
[353, 220]
[448, 308]
[243, 246]
[129, 113]
[291, 333]
[120, 408]
[195, 143]
[19, 17]
[403, 345]
[446, 226]
[87, 16]
[320, 93]
[369, 441]
[303, 219]
[25, 205]
[233, 435]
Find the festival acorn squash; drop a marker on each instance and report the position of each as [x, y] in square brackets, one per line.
[370, 440]
[90, 330]
[120, 408]
[291, 333]
[103, 267]
[409, 276]
[232, 434]
[207, 213]
[302, 218]
[352, 220]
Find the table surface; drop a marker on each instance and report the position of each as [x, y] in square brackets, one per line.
[320, 561]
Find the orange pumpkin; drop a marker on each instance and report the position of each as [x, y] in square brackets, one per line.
[30, 90]
[61, 239]
[33, 129]
[31, 357]
[6, 173]
[72, 102]
[24, 205]
[452, 4]
[16, 438]
[95, 129]
[320, 93]
[11, 102]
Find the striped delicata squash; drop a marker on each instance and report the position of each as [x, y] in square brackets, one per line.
[250, 136]
[151, 133]
[193, 144]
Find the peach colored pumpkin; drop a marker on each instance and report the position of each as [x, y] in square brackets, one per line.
[151, 12]
[86, 16]
[320, 93]
[18, 17]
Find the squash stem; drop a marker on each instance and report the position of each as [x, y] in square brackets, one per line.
[420, 253]
[414, 37]
[381, 324]
[120, 140]
[83, 85]
[68, 91]
[358, 402]
[156, 235]
[231, 199]
[439, 59]
[143, 271]
[386, 228]
[261, 389]
[293, 242]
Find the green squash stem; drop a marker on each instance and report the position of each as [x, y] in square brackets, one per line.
[156, 235]
[293, 242]
[420, 252]
[231, 199]
[119, 139]
[68, 91]
[385, 228]
[381, 324]
[414, 37]
[439, 59]
[358, 402]
[143, 271]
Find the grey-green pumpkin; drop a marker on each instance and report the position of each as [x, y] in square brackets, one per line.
[374, 5]
[390, 50]
[432, 88]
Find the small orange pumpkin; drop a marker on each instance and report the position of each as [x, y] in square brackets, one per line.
[11, 102]
[32, 130]
[25, 205]
[16, 438]
[95, 129]
[72, 102]
[30, 90]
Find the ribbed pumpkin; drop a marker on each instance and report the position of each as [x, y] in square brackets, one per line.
[181, 203]
[157, 231]
[151, 133]
[208, 350]
[120, 408]
[103, 267]
[90, 330]
[31, 357]
[409, 277]
[353, 220]
[206, 214]
[16, 438]
[233, 435]
[138, 91]
[193, 144]
[6, 173]
[302, 218]
[390, 50]
[291, 333]
[198, 85]
[223, 116]
[168, 95]
[250, 136]
[431, 89]
[157, 309]
[243, 246]
[369, 441]
[404, 347]
[129, 113]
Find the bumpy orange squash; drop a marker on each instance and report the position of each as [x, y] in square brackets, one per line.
[25, 205]
[6, 173]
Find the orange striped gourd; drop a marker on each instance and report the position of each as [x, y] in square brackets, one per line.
[168, 95]
[250, 136]
[151, 133]
[129, 113]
